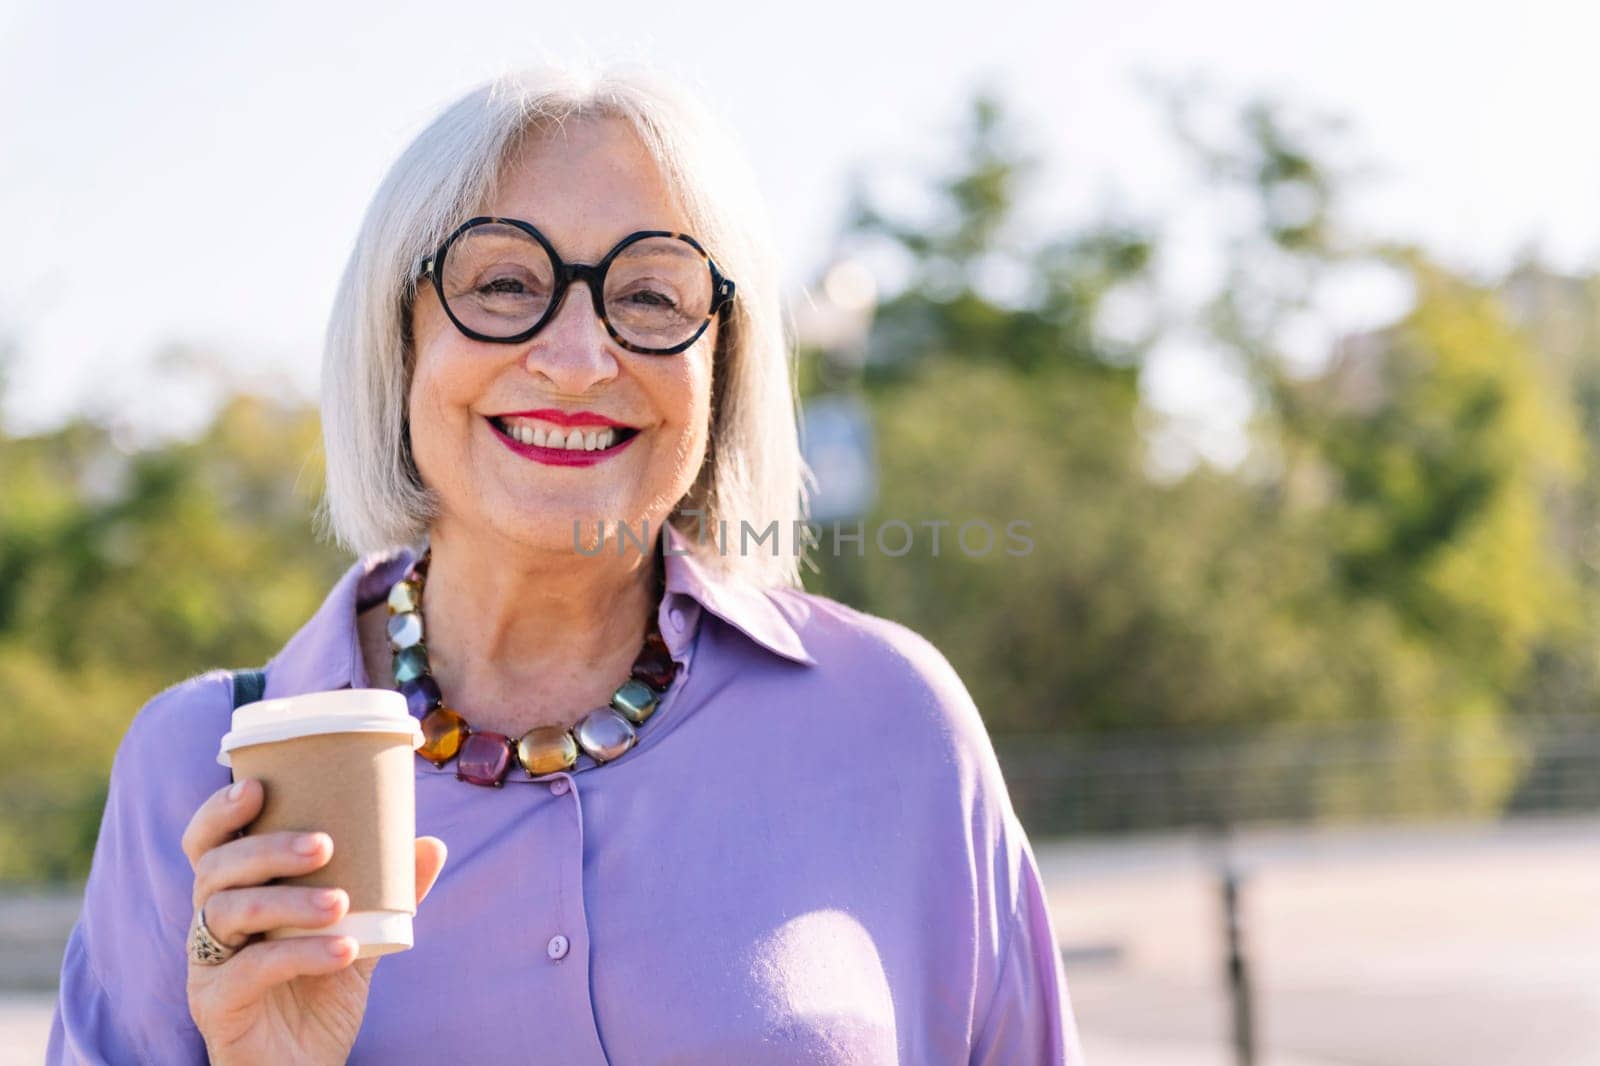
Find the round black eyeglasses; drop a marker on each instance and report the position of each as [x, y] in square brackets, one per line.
[500, 280]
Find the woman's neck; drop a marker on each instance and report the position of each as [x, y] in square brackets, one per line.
[525, 638]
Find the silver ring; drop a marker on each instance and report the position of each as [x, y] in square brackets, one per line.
[205, 949]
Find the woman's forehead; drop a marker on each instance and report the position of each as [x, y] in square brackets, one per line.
[587, 184]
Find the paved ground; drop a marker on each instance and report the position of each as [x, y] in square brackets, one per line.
[1390, 947]
[1398, 947]
[24, 1027]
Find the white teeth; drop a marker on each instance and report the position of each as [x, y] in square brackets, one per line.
[573, 440]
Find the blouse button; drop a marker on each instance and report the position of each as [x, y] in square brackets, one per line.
[558, 787]
[557, 948]
[676, 617]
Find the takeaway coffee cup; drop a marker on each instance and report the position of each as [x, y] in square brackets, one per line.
[340, 762]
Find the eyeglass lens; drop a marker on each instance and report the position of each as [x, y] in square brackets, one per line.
[498, 281]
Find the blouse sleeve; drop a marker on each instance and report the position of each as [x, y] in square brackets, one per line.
[1029, 1020]
[1020, 1011]
[123, 995]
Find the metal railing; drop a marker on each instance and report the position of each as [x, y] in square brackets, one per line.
[1401, 769]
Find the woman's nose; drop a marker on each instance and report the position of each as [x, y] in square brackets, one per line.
[573, 350]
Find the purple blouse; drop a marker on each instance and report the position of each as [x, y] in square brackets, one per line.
[808, 857]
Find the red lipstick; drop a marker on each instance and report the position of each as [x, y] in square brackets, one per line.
[566, 418]
[563, 456]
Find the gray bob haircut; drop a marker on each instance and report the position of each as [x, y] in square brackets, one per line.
[753, 475]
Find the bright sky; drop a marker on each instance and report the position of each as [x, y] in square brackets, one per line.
[192, 174]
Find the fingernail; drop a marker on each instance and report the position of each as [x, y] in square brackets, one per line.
[236, 791]
[339, 948]
[328, 898]
[309, 844]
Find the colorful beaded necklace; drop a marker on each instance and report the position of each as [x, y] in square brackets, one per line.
[484, 758]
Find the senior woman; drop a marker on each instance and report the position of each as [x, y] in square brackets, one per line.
[693, 814]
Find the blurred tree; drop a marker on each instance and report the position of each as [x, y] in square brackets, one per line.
[1433, 457]
[1435, 446]
[979, 293]
[1389, 562]
[122, 574]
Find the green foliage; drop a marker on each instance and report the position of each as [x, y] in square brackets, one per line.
[946, 312]
[1391, 561]
[1442, 487]
[123, 574]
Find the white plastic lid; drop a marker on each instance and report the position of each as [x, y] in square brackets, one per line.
[377, 932]
[345, 710]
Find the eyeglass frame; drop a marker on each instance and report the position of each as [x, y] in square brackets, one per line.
[593, 275]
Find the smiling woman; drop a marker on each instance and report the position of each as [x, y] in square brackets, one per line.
[590, 184]
[665, 844]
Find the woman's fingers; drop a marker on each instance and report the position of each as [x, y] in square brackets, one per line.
[238, 914]
[256, 860]
[232, 873]
[259, 967]
[220, 817]
[431, 854]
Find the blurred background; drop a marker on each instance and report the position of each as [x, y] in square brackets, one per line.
[1279, 325]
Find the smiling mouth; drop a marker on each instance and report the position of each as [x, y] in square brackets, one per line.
[576, 439]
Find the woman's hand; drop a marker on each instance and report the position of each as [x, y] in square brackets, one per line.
[295, 1000]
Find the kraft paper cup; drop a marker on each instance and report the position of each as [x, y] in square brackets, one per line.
[341, 763]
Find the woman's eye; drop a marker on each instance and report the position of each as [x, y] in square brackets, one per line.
[506, 285]
[652, 298]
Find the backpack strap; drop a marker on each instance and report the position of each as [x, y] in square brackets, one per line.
[248, 686]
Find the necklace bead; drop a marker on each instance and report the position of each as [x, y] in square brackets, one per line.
[484, 758]
[635, 701]
[422, 694]
[405, 629]
[546, 749]
[443, 731]
[410, 663]
[605, 734]
[655, 666]
[405, 596]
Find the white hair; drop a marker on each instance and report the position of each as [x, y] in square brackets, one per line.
[375, 499]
